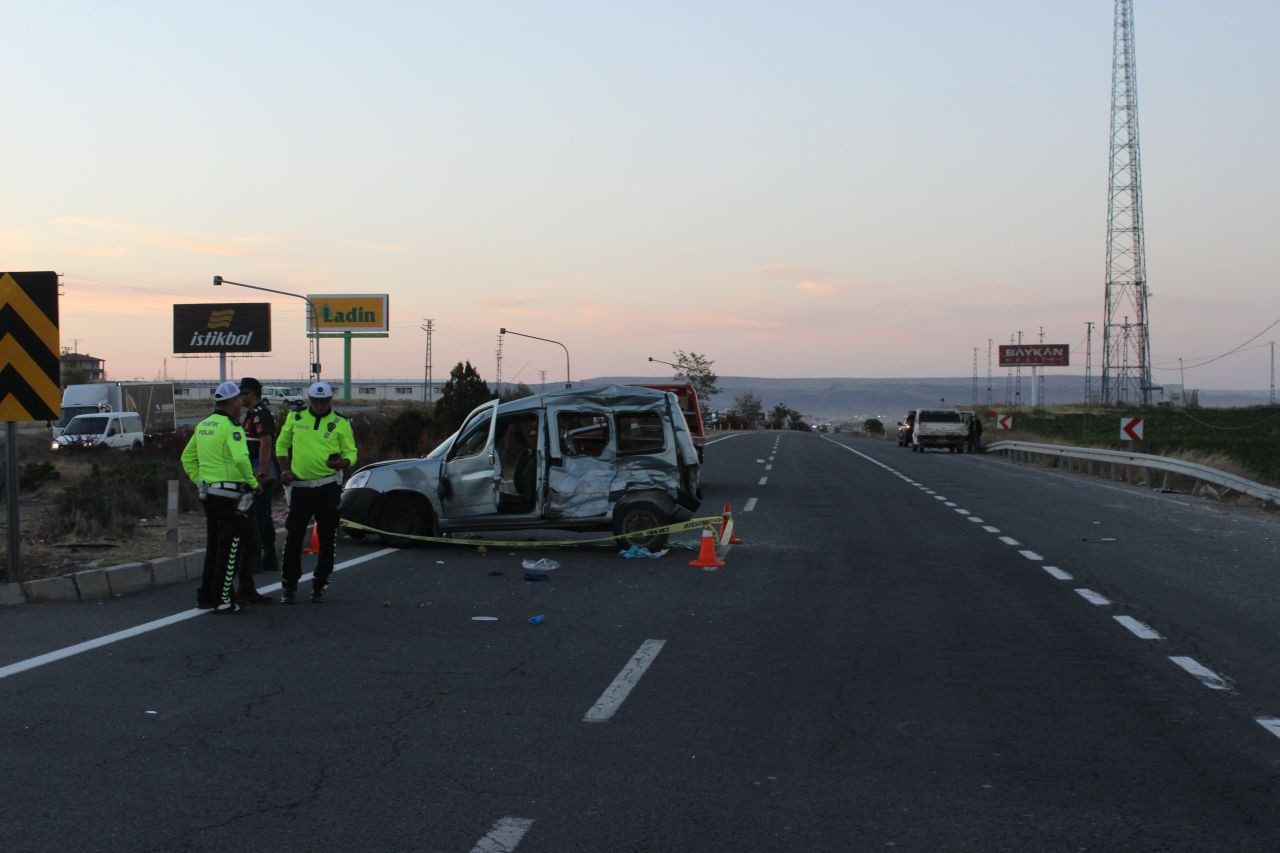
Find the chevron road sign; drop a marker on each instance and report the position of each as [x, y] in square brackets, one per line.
[1004, 422]
[1131, 429]
[29, 365]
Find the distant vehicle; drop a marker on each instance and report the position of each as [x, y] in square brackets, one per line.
[291, 397]
[939, 428]
[611, 457]
[121, 430]
[152, 401]
[904, 429]
[688, 397]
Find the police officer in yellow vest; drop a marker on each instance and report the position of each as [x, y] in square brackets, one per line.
[217, 461]
[314, 448]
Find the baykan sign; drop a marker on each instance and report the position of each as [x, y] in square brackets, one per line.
[1035, 355]
[222, 327]
[338, 313]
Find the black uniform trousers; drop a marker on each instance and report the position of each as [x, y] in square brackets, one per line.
[227, 531]
[320, 503]
[260, 550]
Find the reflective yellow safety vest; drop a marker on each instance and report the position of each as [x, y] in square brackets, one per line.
[217, 453]
[309, 440]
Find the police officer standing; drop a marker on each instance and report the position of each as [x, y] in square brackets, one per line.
[217, 461]
[314, 448]
[260, 432]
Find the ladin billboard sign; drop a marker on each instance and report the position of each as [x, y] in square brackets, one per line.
[339, 313]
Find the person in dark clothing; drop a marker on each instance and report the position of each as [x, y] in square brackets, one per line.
[975, 435]
[260, 434]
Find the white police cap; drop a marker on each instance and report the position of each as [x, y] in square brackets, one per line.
[226, 391]
[320, 390]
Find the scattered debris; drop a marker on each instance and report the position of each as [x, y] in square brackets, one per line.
[543, 565]
[636, 552]
[537, 620]
[484, 618]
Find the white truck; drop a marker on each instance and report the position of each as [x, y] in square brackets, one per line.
[939, 428]
[153, 401]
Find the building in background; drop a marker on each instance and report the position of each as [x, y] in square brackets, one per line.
[78, 368]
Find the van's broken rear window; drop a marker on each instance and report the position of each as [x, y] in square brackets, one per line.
[939, 417]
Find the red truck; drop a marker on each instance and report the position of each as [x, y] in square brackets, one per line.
[692, 412]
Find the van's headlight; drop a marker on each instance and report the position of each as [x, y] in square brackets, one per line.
[358, 479]
[54, 445]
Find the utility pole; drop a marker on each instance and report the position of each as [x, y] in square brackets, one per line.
[988, 373]
[1008, 381]
[427, 326]
[974, 403]
[543, 373]
[1273, 375]
[1040, 374]
[1126, 352]
[1017, 378]
[1088, 368]
[499, 355]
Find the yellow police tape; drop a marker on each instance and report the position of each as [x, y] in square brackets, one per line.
[679, 527]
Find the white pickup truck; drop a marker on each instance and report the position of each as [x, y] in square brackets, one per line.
[939, 428]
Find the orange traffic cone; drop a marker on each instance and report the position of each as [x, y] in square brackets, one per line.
[707, 551]
[314, 546]
[727, 536]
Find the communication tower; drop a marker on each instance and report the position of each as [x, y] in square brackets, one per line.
[1126, 348]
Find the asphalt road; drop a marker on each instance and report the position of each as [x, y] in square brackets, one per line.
[874, 669]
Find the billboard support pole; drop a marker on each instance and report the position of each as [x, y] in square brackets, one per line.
[346, 367]
[222, 366]
[11, 499]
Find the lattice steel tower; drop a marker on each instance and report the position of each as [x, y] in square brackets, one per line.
[1126, 347]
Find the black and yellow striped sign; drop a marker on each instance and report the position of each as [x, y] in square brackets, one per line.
[30, 370]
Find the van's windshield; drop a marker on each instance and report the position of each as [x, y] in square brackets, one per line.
[935, 416]
[87, 425]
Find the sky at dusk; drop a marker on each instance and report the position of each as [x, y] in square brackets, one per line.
[795, 189]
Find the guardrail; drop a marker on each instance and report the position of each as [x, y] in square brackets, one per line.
[1119, 465]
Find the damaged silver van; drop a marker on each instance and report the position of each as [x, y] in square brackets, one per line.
[608, 457]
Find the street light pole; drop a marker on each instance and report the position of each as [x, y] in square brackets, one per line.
[314, 337]
[567, 381]
[667, 363]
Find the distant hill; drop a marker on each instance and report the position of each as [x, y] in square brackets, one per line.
[837, 399]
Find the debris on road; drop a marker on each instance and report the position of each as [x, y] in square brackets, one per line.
[636, 552]
[537, 620]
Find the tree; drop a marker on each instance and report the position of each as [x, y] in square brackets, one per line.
[795, 421]
[873, 426]
[749, 406]
[516, 392]
[463, 392]
[695, 368]
[779, 416]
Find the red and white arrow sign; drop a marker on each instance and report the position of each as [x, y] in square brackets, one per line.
[1131, 429]
[1004, 422]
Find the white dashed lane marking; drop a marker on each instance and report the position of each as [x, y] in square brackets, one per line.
[1271, 724]
[991, 529]
[626, 680]
[975, 519]
[949, 503]
[1094, 598]
[1206, 676]
[1031, 555]
[1139, 630]
[764, 480]
[504, 836]
[1057, 573]
[1010, 541]
[963, 511]
[768, 467]
[750, 505]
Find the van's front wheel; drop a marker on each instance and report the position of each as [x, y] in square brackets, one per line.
[636, 516]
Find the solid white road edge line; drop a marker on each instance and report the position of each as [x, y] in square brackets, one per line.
[1271, 724]
[1057, 573]
[1207, 677]
[1096, 599]
[724, 438]
[154, 625]
[1139, 630]
[612, 697]
[750, 505]
[504, 835]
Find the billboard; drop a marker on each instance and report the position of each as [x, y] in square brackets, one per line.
[213, 327]
[336, 313]
[1035, 355]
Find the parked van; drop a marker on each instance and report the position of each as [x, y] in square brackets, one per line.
[692, 409]
[122, 430]
[291, 397]
[611, 457]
